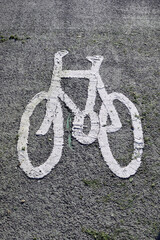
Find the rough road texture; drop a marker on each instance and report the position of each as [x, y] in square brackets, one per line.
[81, 198]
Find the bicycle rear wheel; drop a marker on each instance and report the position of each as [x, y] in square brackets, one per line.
[131, 168]
[25, 163]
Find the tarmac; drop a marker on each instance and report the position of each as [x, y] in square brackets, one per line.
[81, 197]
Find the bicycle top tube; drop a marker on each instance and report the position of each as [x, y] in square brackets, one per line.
[76, 74]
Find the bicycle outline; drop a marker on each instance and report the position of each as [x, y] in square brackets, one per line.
[98, 130]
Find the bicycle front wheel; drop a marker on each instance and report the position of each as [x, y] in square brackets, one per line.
[131, 168]
[25, 163]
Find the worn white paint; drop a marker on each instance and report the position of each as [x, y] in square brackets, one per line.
[98, 122]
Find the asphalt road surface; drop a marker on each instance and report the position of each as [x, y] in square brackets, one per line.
[81, 197]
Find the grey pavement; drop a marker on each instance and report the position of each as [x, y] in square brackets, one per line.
[80, 198]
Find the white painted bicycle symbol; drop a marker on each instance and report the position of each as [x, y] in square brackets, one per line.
[98, 129]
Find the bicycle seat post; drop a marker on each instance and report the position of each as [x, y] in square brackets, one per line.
[58, 63]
